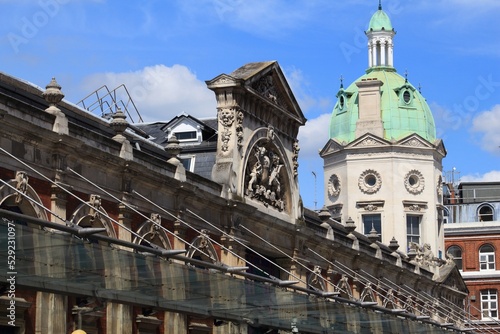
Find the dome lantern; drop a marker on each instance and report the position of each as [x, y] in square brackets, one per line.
[380, 34]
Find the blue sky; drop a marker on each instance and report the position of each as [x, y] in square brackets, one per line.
[164, 50]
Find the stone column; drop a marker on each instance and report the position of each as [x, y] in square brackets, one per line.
[229, 257]
[374, 54]
[391, 54]
[233, 254]
[58, 197]
[125, 219]
[118, 318]
[175, 323]
[383, 46]
[51, 312]
[370, 55]
[51, 309]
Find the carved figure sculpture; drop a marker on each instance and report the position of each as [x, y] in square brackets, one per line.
[263, 180]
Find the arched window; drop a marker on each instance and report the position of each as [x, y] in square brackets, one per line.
[485, 213]
[456, 252]
[487, 258]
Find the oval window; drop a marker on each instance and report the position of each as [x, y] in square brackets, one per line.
[407, 96]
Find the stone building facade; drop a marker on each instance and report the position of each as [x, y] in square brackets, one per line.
[383, 162]
[113, 235]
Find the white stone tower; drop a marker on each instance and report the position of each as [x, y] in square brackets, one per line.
[383, 162]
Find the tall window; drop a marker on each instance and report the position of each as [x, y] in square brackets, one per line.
[485, 213]
[489, 304]
[413, 229]
[372, 221]
[446, 215]
[456, 252]
[487, 258]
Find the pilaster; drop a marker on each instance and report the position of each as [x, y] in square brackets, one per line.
[118, 318]
[50, 309]
[58, 200]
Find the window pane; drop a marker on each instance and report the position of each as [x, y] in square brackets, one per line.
[372, 221]
[489, 307]
[413, 229]
[186, 135]
[456, 252]
[486, 249]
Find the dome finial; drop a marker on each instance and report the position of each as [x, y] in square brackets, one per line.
[379, 4]
[341, 81]
[406, 76]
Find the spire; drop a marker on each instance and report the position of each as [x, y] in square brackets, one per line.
[379, 4]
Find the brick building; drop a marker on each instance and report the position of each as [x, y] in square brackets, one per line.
[472, 237]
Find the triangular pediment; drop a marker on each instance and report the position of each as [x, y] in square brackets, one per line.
[439, 144]
[368, 140]
[449, 275]
[265, 80]
[330, 147]
[222, 80]
[415, 140]
[185, 119]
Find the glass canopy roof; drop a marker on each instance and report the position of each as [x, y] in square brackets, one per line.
[60, 262]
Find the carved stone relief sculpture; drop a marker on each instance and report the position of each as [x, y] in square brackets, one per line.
[369, 181]
[226, 119]
[333, 186]
[423, 256]
[239, 129]
[264, 177]
[266, 88]
[21, 185]
[95, 202]
[295, 158]
[414, 182]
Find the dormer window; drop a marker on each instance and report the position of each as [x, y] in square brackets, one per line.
[342, 97]
[406, 94]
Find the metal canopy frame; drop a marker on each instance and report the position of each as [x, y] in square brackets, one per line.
[55, 258]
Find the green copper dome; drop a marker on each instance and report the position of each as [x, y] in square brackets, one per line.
[380, 21]
[404, 110]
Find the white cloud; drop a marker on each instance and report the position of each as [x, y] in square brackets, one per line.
[314, 136]
[160, 92]
[448, 119]
[487, 124]
[301, 90]
[493, 176]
